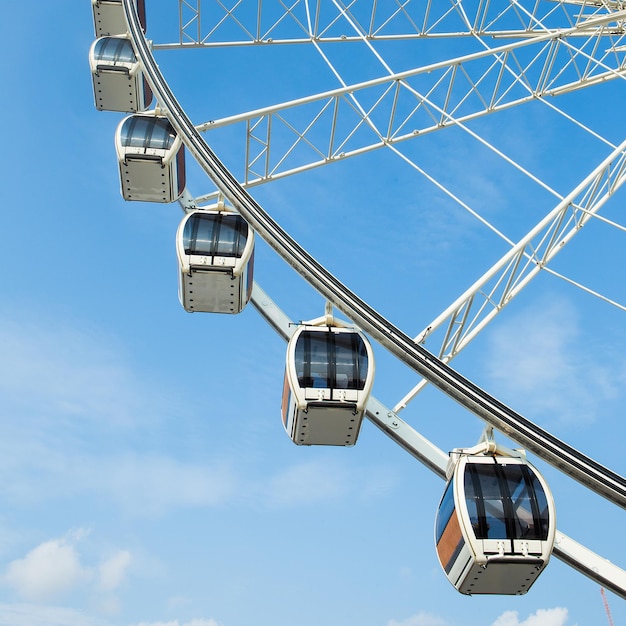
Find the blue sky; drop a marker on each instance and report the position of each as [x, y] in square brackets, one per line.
[146, 479]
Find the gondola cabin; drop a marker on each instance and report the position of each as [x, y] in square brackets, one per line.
[108, 17]
[118, 81]
[328, 379]
[215, 261]
[495, 525]
[151, 159]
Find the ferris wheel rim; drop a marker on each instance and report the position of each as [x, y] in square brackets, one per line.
[416, 357]
[413, 355]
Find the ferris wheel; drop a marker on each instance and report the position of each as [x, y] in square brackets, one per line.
[481, 85]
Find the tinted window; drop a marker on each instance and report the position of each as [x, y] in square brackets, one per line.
[505, 501]
[350, 361]
[446, 508]
[483, 494]
[313, 359]
[215, 234]
[144, 131]
[114, 50]
[529, 502]
[325, 359]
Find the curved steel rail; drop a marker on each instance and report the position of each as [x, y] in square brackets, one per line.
[582, 468]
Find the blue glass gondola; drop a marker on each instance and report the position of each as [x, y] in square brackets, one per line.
[151, 159]
[108, 17]
[328, 379]
[215, 252]
[118, 81]
[495, 525]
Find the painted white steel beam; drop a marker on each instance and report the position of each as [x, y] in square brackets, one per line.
[254, 22]
[566, 549]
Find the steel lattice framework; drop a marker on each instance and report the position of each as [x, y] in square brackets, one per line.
[292, 137]
[246, 22]
[549, 49]
[538, 62]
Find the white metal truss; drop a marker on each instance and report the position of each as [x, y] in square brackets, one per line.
[190, 21]
[590, 50]
[245, 22]
[320, 129]
[496, 414]
[546, 63]
[494, 89]
[566, 549]
[486, 298]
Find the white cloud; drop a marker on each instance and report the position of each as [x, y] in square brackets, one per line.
[543, 617]
[421, 619]
[48, 571]
[193, 622]
[54, 569]
[67, 388]
[112, 571]
[535, 358]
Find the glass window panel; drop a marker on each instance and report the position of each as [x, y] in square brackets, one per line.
[507, 501]
[363, 363]
[542, 508]
[215, 234]
[114, 50]
[542, 504]
[332, 360]
[142, 131]
[446, 508]
[198, 235]
[471, 503]
[161, 135]
[232, 236]
[521, 502]
[312, 359]
[350, 361]
[492, 501]
[302, 370]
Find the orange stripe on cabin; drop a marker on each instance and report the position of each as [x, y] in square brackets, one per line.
[450, 542]
[285, 403]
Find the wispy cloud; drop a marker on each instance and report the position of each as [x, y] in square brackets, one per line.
[154, 484]
[307, 483]
[193, 622]
[52, 370]
[66, 393]
[324, 480]
[38, 615]
[543, 617]
[537, 359]
[421, 619]
[139, 484]
[113, 570]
